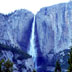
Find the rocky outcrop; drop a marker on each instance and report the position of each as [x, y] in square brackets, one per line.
[22, 62]
[53, 32]
[15, 28]
[54, 26]
[15, 32]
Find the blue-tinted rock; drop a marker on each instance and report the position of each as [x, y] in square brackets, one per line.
[21, 61]
[16, 28]
[53, 32]
[54, 26]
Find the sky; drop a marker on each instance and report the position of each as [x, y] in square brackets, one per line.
[7, 6]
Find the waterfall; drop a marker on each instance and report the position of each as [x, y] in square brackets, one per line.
[32, 50]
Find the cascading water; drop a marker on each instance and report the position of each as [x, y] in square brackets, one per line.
[32, 50]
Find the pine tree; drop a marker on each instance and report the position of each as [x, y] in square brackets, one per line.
[8, 66]
[1, 64]
[58, 67]
[34, 70]
[70, 61]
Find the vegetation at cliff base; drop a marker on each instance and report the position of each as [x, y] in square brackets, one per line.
[34, 70]
[6, 66]
[16, 50]
[58, 67]
[70, 61]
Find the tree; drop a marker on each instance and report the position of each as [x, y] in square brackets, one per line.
[1, 64]
[70, 60]
[58, 67]
[6, 66]
[34, 70]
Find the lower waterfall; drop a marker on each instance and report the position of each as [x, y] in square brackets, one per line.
[32, 49]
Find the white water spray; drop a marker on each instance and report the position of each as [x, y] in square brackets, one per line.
[32, 50]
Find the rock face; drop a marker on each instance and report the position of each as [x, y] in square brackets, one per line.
[15, 28]
[15, 31]
[53, 31]
[22, 62]
[63, 57]
[54, 26]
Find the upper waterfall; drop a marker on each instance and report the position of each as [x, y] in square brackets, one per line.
[32, 50]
